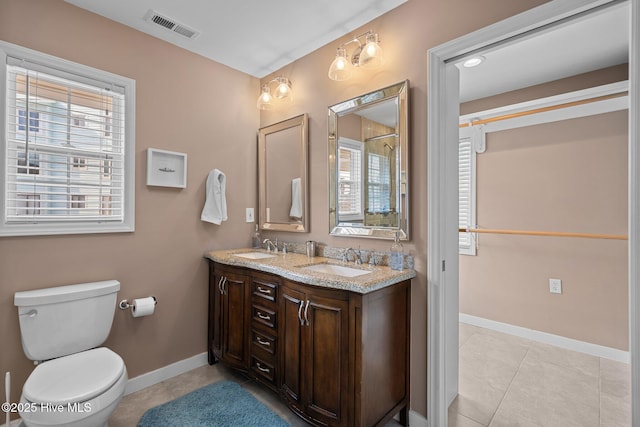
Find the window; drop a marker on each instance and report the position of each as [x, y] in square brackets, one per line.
[79, 162]
[378, 183]
[105, 205]
[350, 157]
[78, 201]
[471, 142]
[34, 163]
[34, 121]
[68, 163]
[106, 168]
[78, 120]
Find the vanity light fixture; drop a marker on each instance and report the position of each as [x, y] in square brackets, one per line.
[474, 61]
[282, 92]
[367, 55]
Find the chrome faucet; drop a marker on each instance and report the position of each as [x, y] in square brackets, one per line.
[356, 256]
[268, 242]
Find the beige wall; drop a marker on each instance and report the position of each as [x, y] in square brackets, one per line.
[181, 107]
[564, 176]
[182, 104]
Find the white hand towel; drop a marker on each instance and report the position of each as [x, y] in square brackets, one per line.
[215, 206]
[296, 199]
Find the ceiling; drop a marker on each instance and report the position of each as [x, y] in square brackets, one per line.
[592, 42]
[257, 38]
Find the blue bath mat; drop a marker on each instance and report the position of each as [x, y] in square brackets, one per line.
[222, 404]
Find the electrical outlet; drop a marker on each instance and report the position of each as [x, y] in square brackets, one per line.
[555, 286]
[249, 215]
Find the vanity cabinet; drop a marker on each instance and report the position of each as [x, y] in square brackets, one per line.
[337, 357]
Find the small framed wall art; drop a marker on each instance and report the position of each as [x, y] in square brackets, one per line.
[166, 168]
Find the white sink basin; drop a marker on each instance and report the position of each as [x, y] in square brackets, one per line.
[255, 255]
[337, 270]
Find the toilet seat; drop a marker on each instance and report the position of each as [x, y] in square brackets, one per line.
[93, 412]
[75, 378]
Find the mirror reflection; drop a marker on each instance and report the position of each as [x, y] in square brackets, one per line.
[282, 172]
[368, 164]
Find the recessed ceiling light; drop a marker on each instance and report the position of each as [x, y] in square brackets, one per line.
[473, 61]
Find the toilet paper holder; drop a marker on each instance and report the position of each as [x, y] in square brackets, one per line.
[124, 304]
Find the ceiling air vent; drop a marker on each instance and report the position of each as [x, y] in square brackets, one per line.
[170, 24]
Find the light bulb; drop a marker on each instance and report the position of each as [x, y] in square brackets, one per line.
[283, 90]
[340, 68]
[371, 55]
[265, 99]
[473, 61]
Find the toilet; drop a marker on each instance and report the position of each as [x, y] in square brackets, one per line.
[75, 382]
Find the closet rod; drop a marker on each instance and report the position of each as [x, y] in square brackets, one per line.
[543, 109]
[544, 233]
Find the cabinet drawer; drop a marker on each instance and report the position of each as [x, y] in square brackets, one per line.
[264, 316]
[262, 369]
[263, 341]
[264, 290]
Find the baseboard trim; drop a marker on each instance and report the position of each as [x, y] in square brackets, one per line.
[166, 372]
[546, 338]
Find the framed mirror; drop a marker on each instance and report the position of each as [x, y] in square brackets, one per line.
[283, 188]
[368, 164]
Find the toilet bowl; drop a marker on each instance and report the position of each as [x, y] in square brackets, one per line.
[77, 384]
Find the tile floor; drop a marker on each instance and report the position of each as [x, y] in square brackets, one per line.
[134, 405]
[507, 381]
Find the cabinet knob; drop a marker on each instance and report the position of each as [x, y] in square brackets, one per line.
[263, 316]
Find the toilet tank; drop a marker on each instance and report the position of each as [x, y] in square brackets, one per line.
[63, 320]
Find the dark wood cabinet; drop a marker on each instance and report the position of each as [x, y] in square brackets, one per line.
[315, 357]
[229, 295]
[264, 329]
[337, 357]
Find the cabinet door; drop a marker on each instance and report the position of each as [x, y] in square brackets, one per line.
[291, 346]
[235, 320]
[326, 358]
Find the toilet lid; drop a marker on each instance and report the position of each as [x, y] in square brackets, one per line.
[75, 378]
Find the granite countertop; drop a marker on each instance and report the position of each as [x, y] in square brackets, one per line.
[290, 266]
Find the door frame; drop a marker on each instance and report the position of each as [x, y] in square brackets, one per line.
[442, 242]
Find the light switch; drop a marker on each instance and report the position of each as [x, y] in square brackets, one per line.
[249, 215]
[555, 286]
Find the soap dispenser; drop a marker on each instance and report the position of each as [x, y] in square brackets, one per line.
[256, 241]
[396, 261]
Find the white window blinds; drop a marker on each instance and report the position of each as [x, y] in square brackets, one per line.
[65, 151]
[378, 183]
[464, 194]
[350, 169]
